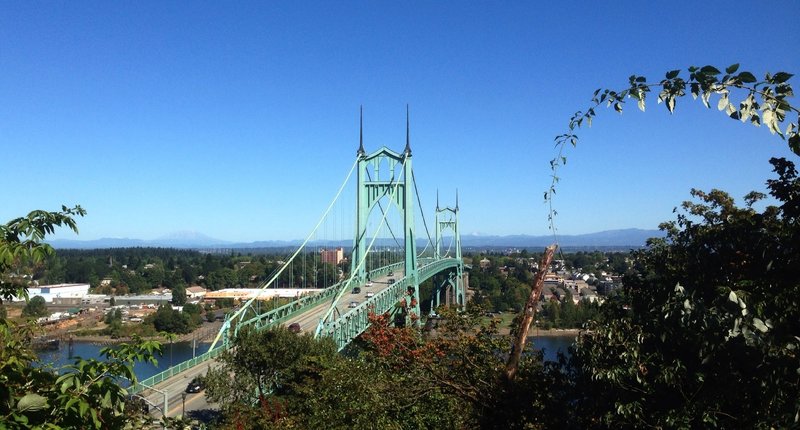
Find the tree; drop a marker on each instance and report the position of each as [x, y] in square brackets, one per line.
[704, 333]
[168, 320]
[193, 311]
[114, 322]
[32, 395]
[263, 363]
[178, 295]
[36, 307]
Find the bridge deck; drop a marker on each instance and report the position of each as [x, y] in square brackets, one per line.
[175, 385]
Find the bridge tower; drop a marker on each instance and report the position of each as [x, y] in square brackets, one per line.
[399, 187]
[453, 285]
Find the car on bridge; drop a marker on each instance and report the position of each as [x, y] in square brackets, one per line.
[295, 328]
[353, 304]
[195, 386]
[356, 290]
[370, 294]
[368, 284]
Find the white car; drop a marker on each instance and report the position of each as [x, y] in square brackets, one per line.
[352, 305]
[370, 294]
[368, 284]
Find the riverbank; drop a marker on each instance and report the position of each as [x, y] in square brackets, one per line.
[555, 332]
[203, 334]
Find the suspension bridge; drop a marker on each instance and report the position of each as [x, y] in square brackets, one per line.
[387, 263]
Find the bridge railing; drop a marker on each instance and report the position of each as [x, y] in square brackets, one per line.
[436, 266]
[283, 313]
[355, 321]
[275, 316]
[174, 370]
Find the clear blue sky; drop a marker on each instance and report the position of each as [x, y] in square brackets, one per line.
[240, 120]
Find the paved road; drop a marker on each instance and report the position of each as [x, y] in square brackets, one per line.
[309, 320]
[175, 387]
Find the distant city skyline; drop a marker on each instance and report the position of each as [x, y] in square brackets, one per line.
[240, 121]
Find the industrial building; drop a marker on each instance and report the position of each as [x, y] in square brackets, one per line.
[57, 293]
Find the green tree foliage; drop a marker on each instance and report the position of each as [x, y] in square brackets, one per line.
[20, 243]
[193, 312]
[394, 378]
[32, 395]
[168, 320]
[178, 295]
[704, 334]
[36, 307]
[264, 364]
[113, 321]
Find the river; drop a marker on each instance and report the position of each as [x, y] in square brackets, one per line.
[181, 351]
[172, 353]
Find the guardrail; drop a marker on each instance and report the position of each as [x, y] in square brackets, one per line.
[174, 370]
[275, 316]
[356, 320]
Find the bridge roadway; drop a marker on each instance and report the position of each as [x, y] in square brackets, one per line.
[175, 386]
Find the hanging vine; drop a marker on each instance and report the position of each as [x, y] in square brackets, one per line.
[761, 102]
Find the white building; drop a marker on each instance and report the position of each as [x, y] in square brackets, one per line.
[56, 291]
[195, 293]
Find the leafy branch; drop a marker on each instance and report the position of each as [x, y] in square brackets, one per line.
[20, 240]
[762, 102]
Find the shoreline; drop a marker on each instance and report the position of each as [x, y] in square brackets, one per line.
[204, 330]
[555, 332]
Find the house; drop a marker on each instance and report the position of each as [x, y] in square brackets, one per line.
[195, 292]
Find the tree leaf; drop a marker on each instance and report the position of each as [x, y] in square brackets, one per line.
[723, 102]
[672, 74]
[732, 297]
[732, 68]
[31, 402]
[747, 77]
[781, 77]
[794, 143]
[760, 326]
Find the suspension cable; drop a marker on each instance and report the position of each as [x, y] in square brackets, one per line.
[363, 256]
[291, 259]
[419, 203]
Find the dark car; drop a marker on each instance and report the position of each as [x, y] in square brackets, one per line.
[356, 290]
[295, 328]
[195, 386]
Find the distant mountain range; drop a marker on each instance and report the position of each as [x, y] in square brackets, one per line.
[631, 237]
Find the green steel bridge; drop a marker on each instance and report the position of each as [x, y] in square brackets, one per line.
[341, 310]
